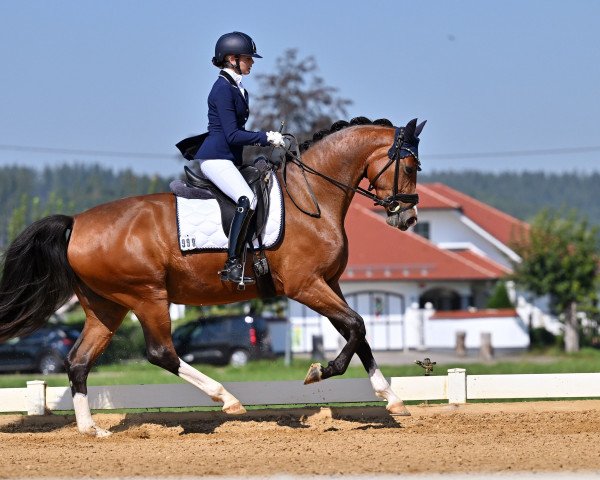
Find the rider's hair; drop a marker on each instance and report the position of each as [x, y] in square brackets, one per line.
[222, 64]
[339, 125]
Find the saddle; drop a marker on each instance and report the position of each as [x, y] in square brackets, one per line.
[258, 178]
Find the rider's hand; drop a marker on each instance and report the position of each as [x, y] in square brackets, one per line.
[287, 142]
[275, 139]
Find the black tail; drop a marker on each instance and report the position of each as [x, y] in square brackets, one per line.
[37, 277]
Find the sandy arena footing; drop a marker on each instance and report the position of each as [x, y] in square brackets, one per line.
[477, 438]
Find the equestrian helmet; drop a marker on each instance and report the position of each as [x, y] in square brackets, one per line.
[234, 43]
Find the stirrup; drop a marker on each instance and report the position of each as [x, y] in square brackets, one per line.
[233, 271]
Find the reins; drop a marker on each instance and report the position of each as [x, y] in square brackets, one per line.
[391, 203]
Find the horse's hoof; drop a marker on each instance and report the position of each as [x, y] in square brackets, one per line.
[234, 409]
[97, 432]
[314, 374]
[398, 409]
[101, 433]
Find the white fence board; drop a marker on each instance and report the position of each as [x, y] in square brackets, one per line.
[13, 399]
[455, 387]
[543, 385]
[184, 395]
[420, 388]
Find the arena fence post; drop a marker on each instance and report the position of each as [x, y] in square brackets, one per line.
[36, 397]
[457, 385]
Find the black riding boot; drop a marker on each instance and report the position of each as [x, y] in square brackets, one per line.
[232, 271]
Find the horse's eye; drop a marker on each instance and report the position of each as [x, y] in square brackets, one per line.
[408, 170]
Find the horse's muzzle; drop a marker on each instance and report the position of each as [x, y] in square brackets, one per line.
[402, 220]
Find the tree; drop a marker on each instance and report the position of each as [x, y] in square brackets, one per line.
[560, 259]
[296, 94]
[18, 218]
[499, 297]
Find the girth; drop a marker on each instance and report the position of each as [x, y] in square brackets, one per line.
[260, 184]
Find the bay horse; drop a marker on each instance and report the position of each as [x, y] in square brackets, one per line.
[124, 256]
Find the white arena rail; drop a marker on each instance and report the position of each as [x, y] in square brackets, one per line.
[456, 387]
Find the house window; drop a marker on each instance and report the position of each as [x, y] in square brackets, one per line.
[422, 228]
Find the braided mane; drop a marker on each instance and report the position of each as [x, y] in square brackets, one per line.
[341, 124]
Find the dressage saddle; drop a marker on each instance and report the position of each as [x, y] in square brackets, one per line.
[258, 178]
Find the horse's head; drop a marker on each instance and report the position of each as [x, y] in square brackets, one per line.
[392, 172]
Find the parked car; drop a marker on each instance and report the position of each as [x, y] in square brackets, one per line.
[223, 340]
[43, 351]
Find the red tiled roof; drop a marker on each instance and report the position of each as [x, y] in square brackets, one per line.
[498, 224]
[436, 196]
[380, 252]
[430, 199]
[483, 261]
[473, 314]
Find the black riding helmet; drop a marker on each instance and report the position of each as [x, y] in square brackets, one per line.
[234, 43]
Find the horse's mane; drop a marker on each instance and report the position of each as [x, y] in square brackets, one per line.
[341, 124]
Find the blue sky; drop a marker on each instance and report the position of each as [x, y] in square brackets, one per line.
[133, 75]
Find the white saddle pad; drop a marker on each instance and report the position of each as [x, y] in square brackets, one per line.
[199, 223]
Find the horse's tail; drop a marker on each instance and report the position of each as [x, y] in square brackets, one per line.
[37, 278]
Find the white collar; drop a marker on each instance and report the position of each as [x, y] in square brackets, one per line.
[236, 76]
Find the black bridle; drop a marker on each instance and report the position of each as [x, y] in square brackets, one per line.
[390, 203]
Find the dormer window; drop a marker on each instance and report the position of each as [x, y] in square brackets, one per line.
[422, 229]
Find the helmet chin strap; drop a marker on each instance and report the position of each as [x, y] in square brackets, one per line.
[236, 67]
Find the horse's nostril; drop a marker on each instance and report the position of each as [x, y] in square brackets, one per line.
[411, 221]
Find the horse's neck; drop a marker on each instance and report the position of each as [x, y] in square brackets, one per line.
[342, 160]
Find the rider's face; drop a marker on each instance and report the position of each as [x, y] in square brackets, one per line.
[246, 64]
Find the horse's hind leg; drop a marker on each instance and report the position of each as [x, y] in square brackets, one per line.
[156, 323]
[102, 319]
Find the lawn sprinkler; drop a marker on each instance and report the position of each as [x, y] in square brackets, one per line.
[427, 364]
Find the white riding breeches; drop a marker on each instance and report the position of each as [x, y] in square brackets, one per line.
[225, 175]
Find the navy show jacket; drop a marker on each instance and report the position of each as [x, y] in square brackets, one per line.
[228, 111]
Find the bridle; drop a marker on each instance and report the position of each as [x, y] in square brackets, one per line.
[391, 203]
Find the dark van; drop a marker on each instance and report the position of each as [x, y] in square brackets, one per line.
[223, 340]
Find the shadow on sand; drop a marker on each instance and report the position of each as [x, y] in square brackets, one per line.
[208, 422]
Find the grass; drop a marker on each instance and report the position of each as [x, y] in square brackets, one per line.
[141, 372]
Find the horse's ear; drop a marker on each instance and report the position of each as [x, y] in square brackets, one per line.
[409, 130]
[419, 128]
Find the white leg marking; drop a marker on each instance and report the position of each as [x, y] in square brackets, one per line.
[83, 415]
[211, 387]
[382, 387]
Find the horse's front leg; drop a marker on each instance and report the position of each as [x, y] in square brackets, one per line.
[380, 385]
[321, 298]
[328, 301]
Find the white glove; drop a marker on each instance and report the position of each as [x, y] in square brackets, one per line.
[275, 139]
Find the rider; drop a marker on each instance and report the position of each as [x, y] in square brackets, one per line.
[221, 152]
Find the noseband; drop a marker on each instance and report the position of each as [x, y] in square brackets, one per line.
[390, 203]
